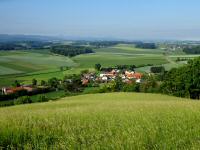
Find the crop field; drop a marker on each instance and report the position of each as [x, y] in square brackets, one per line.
[129, 49]
[103, 121]
[29, 62]
[23, 65]
[106, 59]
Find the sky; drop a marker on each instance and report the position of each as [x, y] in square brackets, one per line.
[119, 19]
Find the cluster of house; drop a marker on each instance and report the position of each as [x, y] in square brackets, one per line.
[12, 90]
[126, 76]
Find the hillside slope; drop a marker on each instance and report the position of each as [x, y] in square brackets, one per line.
[103, 121]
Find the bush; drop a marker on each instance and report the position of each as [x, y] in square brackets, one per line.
[42, 98]
[23, 100]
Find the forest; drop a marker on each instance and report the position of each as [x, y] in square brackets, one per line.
[192, 50]
[70, 51]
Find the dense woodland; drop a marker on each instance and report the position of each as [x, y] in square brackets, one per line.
[192, 50]
[183, 81]
[71, 51]
[146, 45]
[101, 44]
[24, 45]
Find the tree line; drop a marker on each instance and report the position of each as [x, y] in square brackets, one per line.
[145, 45]
[24, 45]
[70, 51]
[192, 50]
[183, 81]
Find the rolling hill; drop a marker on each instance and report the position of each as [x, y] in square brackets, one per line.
[103, 121]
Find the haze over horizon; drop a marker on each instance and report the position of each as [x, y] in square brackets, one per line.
[121, 19]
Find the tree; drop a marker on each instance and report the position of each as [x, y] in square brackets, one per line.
[118, 84]
[16, 83]
[183, 81]
[132, 67]
[98, 67]
[34, 82]
[43, 83]
[159, 69]
[72, 83]
[150, 85]
[54, 83]
[23, 100]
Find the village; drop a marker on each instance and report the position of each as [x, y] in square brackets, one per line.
[127, 76]
[103, 76]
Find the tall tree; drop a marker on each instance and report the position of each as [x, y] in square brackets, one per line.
[98, 67]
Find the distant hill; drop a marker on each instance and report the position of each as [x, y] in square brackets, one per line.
[17, 38]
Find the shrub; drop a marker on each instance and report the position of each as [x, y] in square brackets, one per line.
[42, 98]
[23, 100]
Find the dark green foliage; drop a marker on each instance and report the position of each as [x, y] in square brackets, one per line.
[150, 85]
[104, 44]
[42, 98]
[16, 84]
[184, 81]
[43, 83]
[98, 67]
[192, 50]
[159, 69]
[24, 45]
[134, 87]
[71, 51]
[23, 100]
[54, 83]
[34, 82]
[146, 45]
[127, 67]
[118, 84]
[72, 83]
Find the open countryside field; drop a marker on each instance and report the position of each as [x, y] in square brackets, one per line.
[25, 61]
[19, 64]
[122, 54]
[128, 49]
[42, 65]
[103, 121]
[109, 60]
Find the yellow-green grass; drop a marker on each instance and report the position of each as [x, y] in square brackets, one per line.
[103, 121]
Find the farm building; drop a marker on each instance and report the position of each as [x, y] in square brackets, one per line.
[12, 90]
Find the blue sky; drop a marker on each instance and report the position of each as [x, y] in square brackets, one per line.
[124, 19]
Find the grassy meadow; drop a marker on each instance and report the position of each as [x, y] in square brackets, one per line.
[103, 121]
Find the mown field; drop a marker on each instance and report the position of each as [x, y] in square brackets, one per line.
[103, 121]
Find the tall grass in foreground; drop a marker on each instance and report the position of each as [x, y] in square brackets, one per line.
[107, 121]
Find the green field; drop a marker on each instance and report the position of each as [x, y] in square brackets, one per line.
[24, 62]
[25, 65]
[42, 65]
[122, 54]
[106, 59]
[103, 121]
[129, 49]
